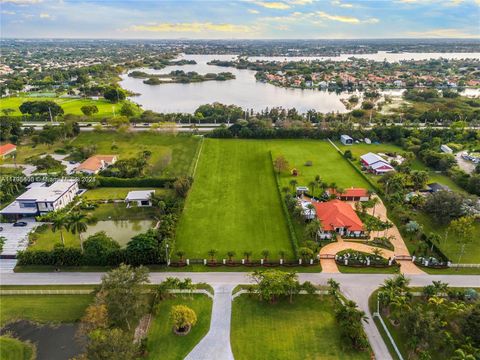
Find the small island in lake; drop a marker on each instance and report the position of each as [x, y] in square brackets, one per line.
[180, 76]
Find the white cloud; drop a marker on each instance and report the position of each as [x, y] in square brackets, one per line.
[194, 27]
[6, 12]
[443, 33]
[45, 16]
[340, 4]
[272, 5]
[21, 2]
[253, 11]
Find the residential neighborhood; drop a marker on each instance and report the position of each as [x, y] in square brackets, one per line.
[239, 180]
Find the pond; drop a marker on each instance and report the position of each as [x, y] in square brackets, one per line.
[120, 230]
[245, 91]
[54, 342]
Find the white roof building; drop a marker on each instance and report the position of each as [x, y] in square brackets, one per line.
[40, 199]
[140, 197]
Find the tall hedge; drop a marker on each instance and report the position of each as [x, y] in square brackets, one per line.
[134, 182]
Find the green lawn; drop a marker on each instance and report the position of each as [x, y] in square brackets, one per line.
[14, 349]
[450, 246]
[305, 329]
[362, 148]
[69, 106]
[26, 151]
[171, 155]
[326, 162]
[43, 308]
[119, 211]
[118, 193]
[163, 344]
[43, 238]
[234, 203]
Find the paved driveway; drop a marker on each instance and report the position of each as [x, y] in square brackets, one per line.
[17, 237]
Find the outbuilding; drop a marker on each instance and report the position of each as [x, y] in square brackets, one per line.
[346, 140]
[446, 149]
[139, 198]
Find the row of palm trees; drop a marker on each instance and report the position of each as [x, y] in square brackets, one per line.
[75, 222]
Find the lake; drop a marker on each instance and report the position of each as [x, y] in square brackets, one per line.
[121, 231]
[245, 91]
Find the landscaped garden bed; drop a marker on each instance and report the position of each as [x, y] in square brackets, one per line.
[354, 258]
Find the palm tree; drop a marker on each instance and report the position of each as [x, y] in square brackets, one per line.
[230, 255]
[59, 223]
[282, 254]
[377, 252]
[293, 183]
[312, 185]
[285, 190]
[212, 253]
[374, 201]
[247, 255]
[265, 254]
[77, 224]
[180, 254]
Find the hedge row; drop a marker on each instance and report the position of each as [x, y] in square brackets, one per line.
[67, 256]
[291, 229]
[135, 182]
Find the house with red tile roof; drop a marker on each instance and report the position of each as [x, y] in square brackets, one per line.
[351, 194]
[338, 217]
[94, 164]
[7, 150]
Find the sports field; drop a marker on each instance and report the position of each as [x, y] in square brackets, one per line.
[69, 106]
[234, 203]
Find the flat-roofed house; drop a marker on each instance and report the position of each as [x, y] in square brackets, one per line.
[139, 198]
[338, 217]
[40, 199]
[94, 164]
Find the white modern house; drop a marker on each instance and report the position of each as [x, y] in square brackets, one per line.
[40, 199]
[346, 140]
[139, 198]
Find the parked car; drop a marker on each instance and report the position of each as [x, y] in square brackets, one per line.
[20, 223]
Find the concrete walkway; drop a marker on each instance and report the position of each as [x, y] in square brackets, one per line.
[216, 344]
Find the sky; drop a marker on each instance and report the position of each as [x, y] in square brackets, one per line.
[240, 19]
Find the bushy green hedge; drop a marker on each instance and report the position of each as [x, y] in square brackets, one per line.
[135, 182]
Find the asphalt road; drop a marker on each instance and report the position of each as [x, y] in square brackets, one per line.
[357, 287]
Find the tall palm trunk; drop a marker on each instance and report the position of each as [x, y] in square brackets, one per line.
[61, 237]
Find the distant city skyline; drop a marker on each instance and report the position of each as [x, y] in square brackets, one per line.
[241, 19]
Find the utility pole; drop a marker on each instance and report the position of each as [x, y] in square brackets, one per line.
[50, 112]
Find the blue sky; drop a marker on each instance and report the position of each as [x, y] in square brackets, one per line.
[240, 19]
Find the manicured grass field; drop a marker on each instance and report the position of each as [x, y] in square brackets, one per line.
[69, 106]
[43, 308]
[171, 156]
[163, 344]
[45, 239]
[234, 203]
[14, 349]
[305, 329]
[368, 270]
[326, 162]
[118, 193]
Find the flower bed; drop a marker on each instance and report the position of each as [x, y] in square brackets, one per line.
[355, 258]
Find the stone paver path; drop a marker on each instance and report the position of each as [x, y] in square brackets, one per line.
[406, 267]
[216, 344]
